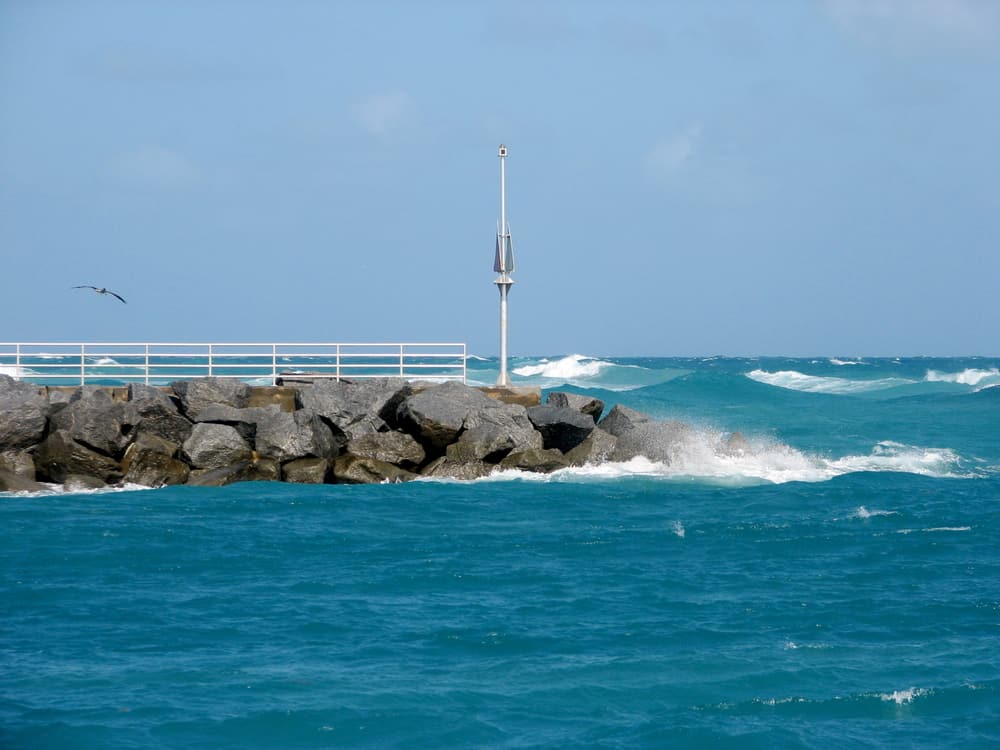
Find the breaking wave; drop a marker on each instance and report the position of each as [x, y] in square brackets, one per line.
[970, 376]
[583, 371]
[798, 381]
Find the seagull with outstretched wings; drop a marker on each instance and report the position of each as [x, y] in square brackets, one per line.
[101, 290]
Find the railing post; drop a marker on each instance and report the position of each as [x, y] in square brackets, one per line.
[17, 362]
[210, 360]
[83, 365]
[338, 363]
[400, 360]
[147, 364]
[274, 364]
[465, 365]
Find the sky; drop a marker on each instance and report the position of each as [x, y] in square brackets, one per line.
[738, 177]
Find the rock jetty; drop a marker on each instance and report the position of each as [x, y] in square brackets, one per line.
[213, 431]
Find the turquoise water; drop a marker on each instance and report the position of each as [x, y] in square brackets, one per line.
[837, 584]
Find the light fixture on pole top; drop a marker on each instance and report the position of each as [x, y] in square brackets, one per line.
[503, 263]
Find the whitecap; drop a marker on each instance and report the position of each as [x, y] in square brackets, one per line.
[969, 376]
[568, 368]
[678, 529]
[844, 362]
[900, 697]
[798, 381]
[863, 512]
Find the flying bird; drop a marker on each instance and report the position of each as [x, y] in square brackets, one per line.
[101, 290]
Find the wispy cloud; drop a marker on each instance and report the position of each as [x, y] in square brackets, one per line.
[670, 154]
[919, 24]
[155, 167]
[382, 113]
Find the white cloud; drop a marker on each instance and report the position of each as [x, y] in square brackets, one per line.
[917, 24]
[381, 113]
[668, 155]
[155, 166]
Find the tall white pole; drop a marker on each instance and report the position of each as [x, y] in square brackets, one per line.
[504, 282]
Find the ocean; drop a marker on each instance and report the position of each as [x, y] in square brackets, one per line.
[835, 583]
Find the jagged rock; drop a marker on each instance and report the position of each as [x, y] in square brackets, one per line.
[244, 420]
[542, 460]
[60, 456]
[511, 419]
[98, 422]
[639, 435]
[22, 414]
[487, 443]
[437, 415]
[348, 469]
[10, 482]
[598, 447]
[151, 468]
[215, 446]
[199, 393]
[592, 407]
[82, 483]
[306, 470]
[262, 470]
[19, 463]
[562, 428]
[355, 408]
[285, 437]
[158, 414]
[392, 447]
[445, 467]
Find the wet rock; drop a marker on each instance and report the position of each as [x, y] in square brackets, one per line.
[348, 469]
[59, 456]
[82, 483]
[592, 407]
[562, 428]
[391, 447]
[19, 463]
[306, 470]
[597, 448]
[152, 469]
[446, 468]
[10, 482]
[542, 460]
[215, 446]
[639, 435]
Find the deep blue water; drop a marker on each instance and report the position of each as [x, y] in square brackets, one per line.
[836, 585]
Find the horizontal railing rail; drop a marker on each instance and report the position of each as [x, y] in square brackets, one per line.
[55, 363]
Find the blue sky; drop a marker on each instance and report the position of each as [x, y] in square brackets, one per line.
[685, 178]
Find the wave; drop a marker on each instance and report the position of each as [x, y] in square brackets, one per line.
[844, 362]
[798, 381]
[572, 367]
[59, 489]
[583, 371]
[707, 456]
[969, 376]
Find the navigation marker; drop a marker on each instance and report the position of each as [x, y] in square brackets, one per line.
[503, 263]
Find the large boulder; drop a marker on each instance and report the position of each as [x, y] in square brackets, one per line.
[306, 470]
[60, 456]
[23, 411]
[150, 461]
[487, 443]
[511, 419]
[542, 460]
[10, 482]
[284, 437]
[592, 407]
[82, 483]
[356, 408]
[244, 420]
[261, 470]
[597, 448]
[19, 463]
[215, 446]
[391, 447]
[158, 414]
[348, 469]
[198, 393]
[639, 434]
[562, 428]
[446, 468]
[437, 415]
[98, 422]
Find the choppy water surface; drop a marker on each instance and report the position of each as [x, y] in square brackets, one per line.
[837, 584]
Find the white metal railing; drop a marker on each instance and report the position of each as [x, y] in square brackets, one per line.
[265, 364]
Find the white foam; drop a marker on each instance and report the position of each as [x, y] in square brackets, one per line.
[678, 529]
[863, 512]
[797, 381]
[936, 529]
[12, 370]
[568, 368]
[844, 362]
[106, 361]
[59, 489]
[899, 697]
[970, 376]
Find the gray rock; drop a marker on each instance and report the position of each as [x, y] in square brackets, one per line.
[306, 470]
[19, 463]
[639, 435]
[142, 392]
[511, 419]
[487, 443]
[98, 422]
[199, 393]
[562, 428]
[151, 468]
[262, 470]
[355, 408]
[446, 468]
[10, 482]
[23, 413]
[542, 460]
[348, 469]
[82, 483]
[391, 447]
[598, 447]
[437, 415]
[592, 407]
[215, 446]
[285, 437]
[59, 456]
[244, 420]
[158, 414]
